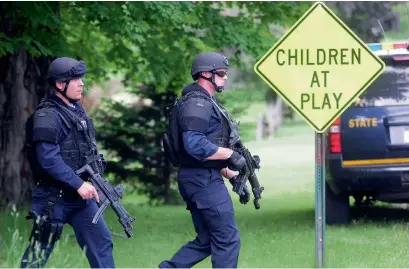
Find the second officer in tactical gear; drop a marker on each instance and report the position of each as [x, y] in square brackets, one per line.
[59, 136]
[204, 158]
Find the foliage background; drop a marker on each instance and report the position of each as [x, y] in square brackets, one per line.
[148, 47]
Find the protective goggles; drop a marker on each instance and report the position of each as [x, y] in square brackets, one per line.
[220, 73]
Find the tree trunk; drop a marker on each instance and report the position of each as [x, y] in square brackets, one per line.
[21, 86]
[272, 118]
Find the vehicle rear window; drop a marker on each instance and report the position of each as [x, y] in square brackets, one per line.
[391, 88]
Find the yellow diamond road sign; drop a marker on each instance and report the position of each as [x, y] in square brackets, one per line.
[319, 67]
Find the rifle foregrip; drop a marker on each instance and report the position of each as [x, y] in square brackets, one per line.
[256, 204]
[128, 233]
[128, 226]
[124, 218]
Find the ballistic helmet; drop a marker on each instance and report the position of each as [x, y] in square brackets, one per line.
[208, 62]
[63, 69]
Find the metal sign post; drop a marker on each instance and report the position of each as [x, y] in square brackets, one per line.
[300, 71]
[319, 200]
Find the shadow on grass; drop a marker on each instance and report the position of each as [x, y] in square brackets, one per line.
[305, 217]
[285, 218]
[380, 214]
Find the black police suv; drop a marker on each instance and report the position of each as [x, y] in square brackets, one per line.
[367, 147]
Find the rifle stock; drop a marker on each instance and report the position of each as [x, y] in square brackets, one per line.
[108, 195]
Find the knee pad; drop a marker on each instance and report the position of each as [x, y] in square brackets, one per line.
[45, 231]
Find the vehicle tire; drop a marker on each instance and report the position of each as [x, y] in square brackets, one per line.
[337, 209]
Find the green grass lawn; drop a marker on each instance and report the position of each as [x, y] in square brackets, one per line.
[280, 234]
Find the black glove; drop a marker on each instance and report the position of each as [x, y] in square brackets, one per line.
[236, 162]
[245, 194]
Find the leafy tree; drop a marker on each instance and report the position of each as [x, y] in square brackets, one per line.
[363, 17]
[149, 44]
[29, 35]
[204, 28]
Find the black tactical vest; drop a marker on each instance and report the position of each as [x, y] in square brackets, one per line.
[79, 143]
[219, 138]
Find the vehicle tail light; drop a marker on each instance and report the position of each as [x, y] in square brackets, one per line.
[334, 137]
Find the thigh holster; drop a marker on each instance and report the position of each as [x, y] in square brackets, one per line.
[44, 229]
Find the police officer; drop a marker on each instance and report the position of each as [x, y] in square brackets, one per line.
[59, 136]
[204, 158]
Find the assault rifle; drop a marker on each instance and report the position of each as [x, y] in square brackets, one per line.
[252, 162]
[108, 195]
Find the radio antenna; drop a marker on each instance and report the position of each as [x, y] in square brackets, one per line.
[383, 31]
[407, 16]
